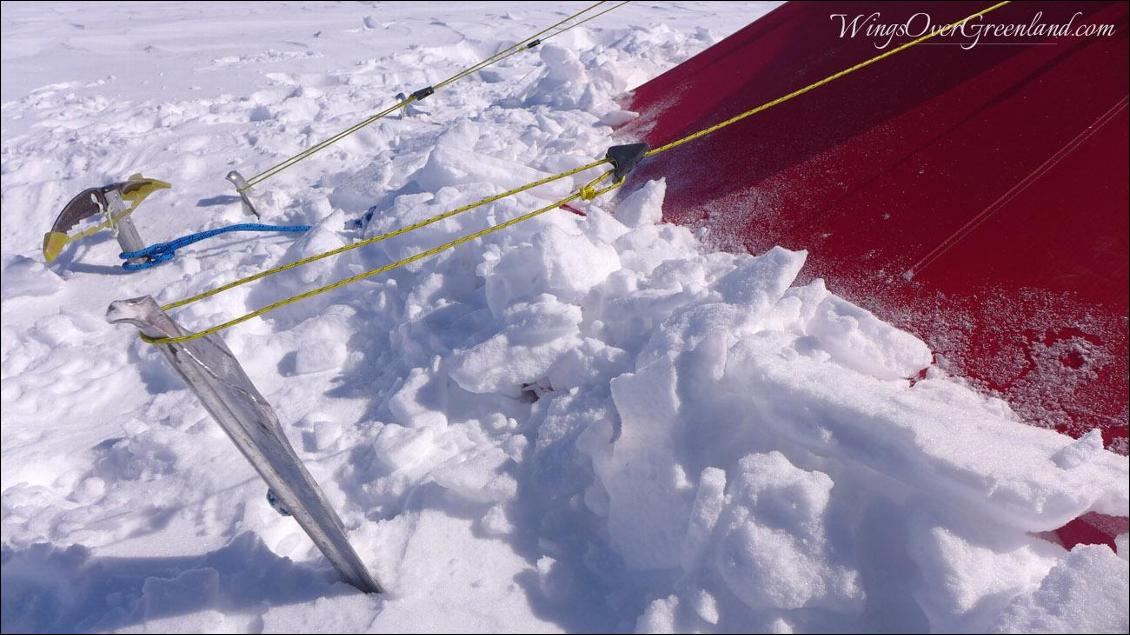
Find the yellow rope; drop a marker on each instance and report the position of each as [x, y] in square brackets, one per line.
[376, 239]
[586, 192]
[493, 59]
[817, 84]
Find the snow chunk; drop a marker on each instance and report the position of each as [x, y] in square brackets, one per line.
[708, 504]
[317, 355]
[564, 264]
[1088, 592]
[759, 282]
[400, 448]
[448, 165]
[617, 118]
[661, 616]
[1082, 451]
[860, 341]
[495, 522]
[478, 478]
[538, 334]
[324, 434]
[647, 512]
[419, 401]
[643, 206]
[970, 572]
[590, 363]
[772, 549]
[564, 84]
[706, 607]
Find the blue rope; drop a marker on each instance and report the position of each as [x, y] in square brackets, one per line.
[161, 252]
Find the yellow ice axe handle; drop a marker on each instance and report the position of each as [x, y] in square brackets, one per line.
[53, 243]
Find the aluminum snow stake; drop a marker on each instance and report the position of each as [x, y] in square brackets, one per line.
[108, 203]
[214, 374]
[242, 188]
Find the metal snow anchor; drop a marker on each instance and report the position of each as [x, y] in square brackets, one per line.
[213, 373]
[243, 189]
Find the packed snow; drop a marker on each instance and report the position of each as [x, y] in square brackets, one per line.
[592, 422]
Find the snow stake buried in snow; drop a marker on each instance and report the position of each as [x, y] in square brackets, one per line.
[242, 188]
[227, 393]
[108, 203]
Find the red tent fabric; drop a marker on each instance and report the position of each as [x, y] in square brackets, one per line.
[976, 196]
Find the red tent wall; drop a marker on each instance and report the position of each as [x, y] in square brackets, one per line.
[977, 198]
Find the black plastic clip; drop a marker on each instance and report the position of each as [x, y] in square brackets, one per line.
[422, 93]
[625, 158]
[534, 43]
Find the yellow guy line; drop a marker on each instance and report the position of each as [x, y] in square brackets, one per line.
[587, 192]
[814, 85]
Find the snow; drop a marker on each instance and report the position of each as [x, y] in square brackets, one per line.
[584, 423]
[1089, 575]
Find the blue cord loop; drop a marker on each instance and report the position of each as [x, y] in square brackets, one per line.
[161, 252]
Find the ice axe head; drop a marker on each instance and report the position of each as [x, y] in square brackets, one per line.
[97, 202]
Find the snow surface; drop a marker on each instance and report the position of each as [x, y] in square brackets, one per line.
[591, 423]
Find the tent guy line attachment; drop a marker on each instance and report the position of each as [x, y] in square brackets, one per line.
[619, 156]
[587, 192]
[215, 376]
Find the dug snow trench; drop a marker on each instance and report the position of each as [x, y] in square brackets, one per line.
[584, 423]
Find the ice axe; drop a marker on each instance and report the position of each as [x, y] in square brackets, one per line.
[108, 202]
